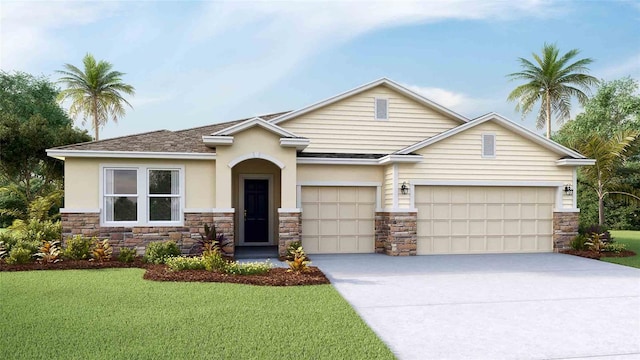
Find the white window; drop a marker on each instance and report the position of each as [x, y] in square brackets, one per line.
[488, 145]
[142, 195]
[382, 109]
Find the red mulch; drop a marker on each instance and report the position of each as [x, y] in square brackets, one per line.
[275, 276]
[597, 255]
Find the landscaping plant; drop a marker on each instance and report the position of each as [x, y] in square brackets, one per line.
[19, 255]
[291, 250]
[78, 247]
[299, 263]
[249, 268]
[49, 252]
[185, 263]
[127, 255]
[213, 261]
[210, 241]
[578, 242]
[158, 252]
[101, 251]
[3, 250]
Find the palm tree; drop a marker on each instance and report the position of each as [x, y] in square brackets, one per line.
[95, 93]
[552, 81]
[610, 154]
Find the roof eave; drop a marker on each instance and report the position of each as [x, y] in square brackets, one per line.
[63, 154]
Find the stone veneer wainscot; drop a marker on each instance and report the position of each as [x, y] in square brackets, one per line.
[289, 230]
[396, 233]
[565, 228]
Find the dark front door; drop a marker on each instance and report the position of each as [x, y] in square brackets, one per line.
[256, 211]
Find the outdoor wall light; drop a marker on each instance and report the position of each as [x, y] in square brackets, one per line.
[404, 189]
[568, 190]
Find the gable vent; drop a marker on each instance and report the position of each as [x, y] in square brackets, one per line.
[382, 109]
[488, 145]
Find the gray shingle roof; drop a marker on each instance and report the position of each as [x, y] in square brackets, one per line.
[188, 140]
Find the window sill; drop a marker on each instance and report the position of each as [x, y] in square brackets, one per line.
[141, 224]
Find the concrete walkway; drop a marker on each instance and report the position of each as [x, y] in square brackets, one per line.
[508, 306]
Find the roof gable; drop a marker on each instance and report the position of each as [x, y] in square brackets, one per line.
[383, 81]
[502, 121]
[256, 121]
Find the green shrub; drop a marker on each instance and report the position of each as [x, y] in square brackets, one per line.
[49, 252]
[158, 252]
[578, 242]
[8, 240]
[127, 255]
[19, 255]
[185, 263]
[614, 247]
[101, 251]
[291, 249]
[78, 248]
[32, 246]
[251, 268]
[35, 230]
[213, 261]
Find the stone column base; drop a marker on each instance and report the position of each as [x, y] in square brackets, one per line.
[565, 228]
[224, 223]
[289, 229]
[396, 233]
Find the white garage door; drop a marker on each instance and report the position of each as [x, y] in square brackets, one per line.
[466, 220]
[338, 219]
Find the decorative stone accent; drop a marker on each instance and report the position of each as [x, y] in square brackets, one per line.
[187, 236]
[396, 233]
[289, 230]
[565, 228]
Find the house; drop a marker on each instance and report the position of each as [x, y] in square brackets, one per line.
[375, 169]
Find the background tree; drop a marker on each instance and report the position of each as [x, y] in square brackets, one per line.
[553, 82]
[31, 121]
[95, 93]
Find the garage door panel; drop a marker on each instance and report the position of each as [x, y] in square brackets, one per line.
[338, 219]
[484, 219]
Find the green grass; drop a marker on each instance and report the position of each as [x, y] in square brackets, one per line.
[115, 314]
[632, 240]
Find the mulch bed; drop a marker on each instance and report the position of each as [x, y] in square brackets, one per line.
[275, 276]
[597, 255]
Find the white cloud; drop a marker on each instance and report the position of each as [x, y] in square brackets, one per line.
[27, 28]
[626, 67]
[459, 102]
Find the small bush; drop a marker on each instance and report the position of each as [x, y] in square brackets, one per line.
[251, 268]
[185, 263]
[127, 255]
[49, 252]
[614, 247]
[214, 261]
[35, 230]
[101, 251]
[210, 241]
[158, 252]
[299, 263]
[8, 240]
[32, 246]
[595, 242]
[19, 255]
[605, 235]
[578, 242]
[3, 250]
[291, 250]
[78, 248]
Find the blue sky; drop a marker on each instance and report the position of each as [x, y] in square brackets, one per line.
[196, 63]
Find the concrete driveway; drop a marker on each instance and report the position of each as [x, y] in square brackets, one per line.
[508, 306]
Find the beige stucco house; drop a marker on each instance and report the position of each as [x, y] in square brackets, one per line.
[375, 169]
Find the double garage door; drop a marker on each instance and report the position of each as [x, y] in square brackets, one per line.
[466, 220]
[451, 219]
[338, 219]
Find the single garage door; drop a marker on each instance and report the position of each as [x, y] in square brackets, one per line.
[338, 219]
[468, 220]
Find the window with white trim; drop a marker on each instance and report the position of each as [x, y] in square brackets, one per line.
[142, 195]
[382, 109]
[488, 145]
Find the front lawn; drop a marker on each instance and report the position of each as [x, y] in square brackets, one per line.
[115, 314]
[632, 240]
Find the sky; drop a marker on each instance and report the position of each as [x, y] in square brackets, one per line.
[197, 63]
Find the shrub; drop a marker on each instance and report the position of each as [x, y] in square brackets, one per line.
[8, 240]
[78, 248]
[3, 250]
[214, 261]
[19, 255]
[578, 242]
[32, 246]
[101, 251]
[614, 247]
[158, 252]
[36, 230]
[291, 250]
[127, 255]
[605, 235]
[185, 263]
[299, 263]
[49, 252]
[210, 241]
[595, 242]
[250, 268]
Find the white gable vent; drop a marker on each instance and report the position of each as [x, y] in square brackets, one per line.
[382, 109]
[488, 145]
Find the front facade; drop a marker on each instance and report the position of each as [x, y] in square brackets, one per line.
[375, 169]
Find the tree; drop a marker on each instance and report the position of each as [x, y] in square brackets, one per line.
[31, 121]
[610, 154]
[95, 93]
[552, 81]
